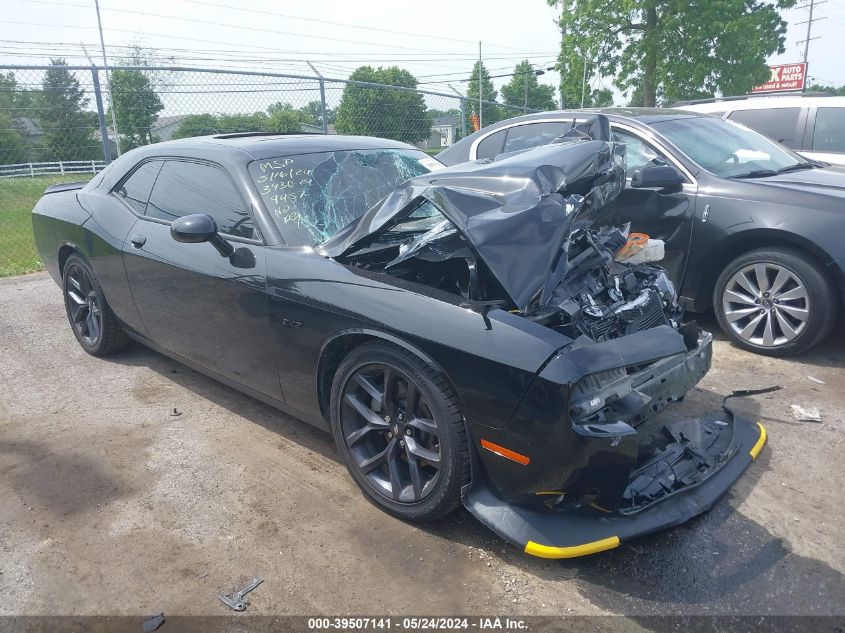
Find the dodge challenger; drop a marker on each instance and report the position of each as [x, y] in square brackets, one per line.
[467, 334]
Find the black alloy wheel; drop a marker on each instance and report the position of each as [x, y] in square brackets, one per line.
[84, 312]
[92, 321]
[399, 431]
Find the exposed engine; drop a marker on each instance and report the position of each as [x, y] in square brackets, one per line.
[597, 296]
[602, 298]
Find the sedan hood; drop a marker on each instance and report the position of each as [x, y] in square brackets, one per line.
[515, 212]
[824, 181]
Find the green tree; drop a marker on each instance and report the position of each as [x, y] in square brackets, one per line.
[207, 124]
[136, 107]
[371, 111]
[313, 109]
[13, 148]
[833, 90]
[573, 86]
[489, 110]
[68, 131]
[197, 125]
[525, 91]
[673, 49]
[285, 118]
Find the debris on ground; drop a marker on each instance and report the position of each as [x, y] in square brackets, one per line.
[238, 600]
[176, 413]
[153, 623]
[818, 381]
[806, 414]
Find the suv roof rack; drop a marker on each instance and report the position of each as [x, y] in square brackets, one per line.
[245, 134]
[751, 96]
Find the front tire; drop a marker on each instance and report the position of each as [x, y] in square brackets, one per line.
[775, 302]
[400, 432]
[91, 320]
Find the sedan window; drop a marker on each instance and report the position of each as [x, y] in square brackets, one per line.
[184, 188]
[491, 146]
[135, 190]
[829, 133]
[535, 134]
[638, 153]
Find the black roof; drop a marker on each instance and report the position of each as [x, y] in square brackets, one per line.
[261, 145]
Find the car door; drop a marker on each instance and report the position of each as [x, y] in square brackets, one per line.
[661, 214]
[209, 309]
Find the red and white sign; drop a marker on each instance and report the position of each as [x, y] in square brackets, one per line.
[785, 78]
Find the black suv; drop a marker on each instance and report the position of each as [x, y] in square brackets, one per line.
[751, 229]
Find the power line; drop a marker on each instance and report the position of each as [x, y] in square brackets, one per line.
[343, 24]
[251, 28]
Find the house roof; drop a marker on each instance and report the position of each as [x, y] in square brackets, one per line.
[26, 126]
[164, 121]
[451, 119]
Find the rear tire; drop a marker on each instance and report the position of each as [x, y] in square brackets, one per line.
[775, 302]
[91, 319]
[400, 432]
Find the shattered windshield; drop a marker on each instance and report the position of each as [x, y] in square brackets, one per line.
[312, 196]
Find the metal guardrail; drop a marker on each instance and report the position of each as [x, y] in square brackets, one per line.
[59, 167]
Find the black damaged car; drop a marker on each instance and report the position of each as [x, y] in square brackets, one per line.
[464, 333]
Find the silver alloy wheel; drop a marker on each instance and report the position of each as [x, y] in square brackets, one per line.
[766, 304]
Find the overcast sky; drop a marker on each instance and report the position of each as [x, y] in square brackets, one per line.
[436, 40]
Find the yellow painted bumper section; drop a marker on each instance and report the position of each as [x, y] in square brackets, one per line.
[755, 450]
[546, 551]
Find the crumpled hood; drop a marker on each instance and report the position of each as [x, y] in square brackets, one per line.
[515, 211]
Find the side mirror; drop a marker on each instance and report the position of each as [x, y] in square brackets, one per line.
[200, 227]
[657, 177]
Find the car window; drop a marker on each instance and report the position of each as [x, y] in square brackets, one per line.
[184, 188]
[534, 134]
[135, 190]
[725, 148]
[638, 153]
[491, 146]
[829, 132]
[779, 124]
[313, 196]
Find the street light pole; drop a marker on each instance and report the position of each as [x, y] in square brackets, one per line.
[480, 124]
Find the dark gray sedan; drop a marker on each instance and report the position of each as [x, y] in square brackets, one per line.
[751, 229]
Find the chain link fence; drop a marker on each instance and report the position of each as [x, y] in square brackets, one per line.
[63, 123]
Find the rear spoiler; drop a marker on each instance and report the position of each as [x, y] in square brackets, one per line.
[65, 186]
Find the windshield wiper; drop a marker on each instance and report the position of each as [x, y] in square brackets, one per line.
[757, 173]
[762, 173]
[796, 167]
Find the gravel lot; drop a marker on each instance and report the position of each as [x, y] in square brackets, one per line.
[111, 505]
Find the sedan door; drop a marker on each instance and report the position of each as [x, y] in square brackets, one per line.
[193, 302]
[661, 214]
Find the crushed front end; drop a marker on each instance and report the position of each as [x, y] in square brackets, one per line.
[584, 461]
[595, 467]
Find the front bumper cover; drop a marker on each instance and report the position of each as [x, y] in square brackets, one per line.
[552, 534]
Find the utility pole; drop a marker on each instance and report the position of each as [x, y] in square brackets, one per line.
[525, 102]
[108, 79]
[809, 24]
[480, 124]
[584, 80]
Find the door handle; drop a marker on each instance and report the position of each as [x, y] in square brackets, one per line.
[138, 240]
